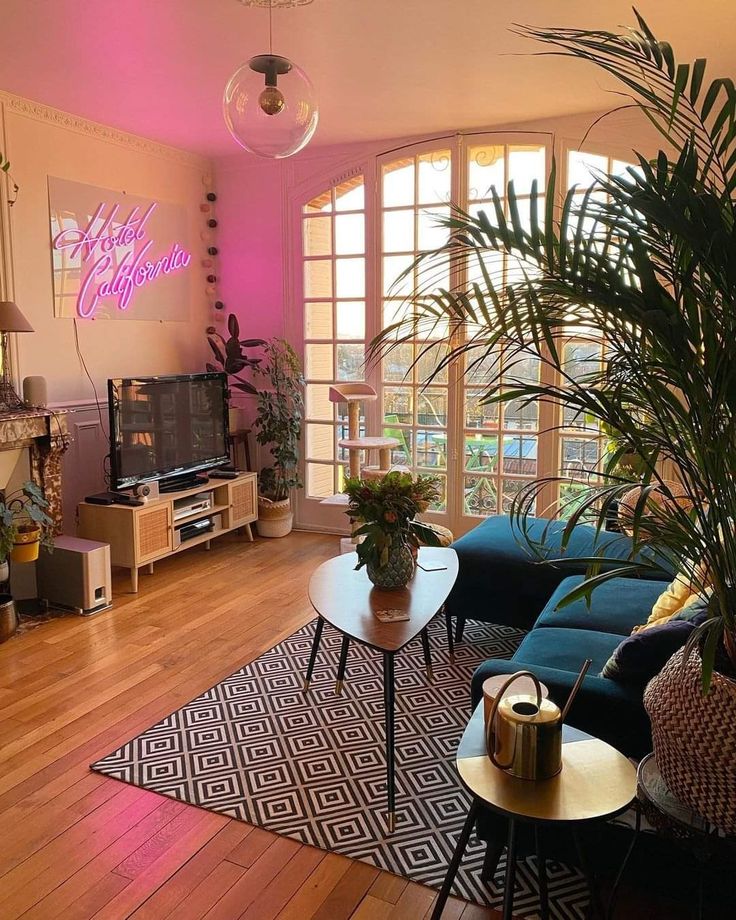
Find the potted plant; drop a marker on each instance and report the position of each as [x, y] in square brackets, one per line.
[231, 359]
[646, 261]
[24, 523]
[385, 510]
[278, 422]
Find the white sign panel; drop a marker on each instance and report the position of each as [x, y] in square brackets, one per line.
[117, 256]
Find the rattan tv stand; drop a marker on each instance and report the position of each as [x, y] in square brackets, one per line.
[142, 535]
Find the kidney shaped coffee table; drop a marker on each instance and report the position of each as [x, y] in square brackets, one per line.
[347, 600]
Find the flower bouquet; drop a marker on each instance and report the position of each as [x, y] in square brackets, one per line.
[385, 510]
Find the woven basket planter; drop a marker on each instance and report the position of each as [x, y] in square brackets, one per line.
[695, 738]
[275, 519]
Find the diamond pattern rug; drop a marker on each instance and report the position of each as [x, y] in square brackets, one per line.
[312, 766]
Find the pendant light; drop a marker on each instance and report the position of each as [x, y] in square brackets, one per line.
[270, 104]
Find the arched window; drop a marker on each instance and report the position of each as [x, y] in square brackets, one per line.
[358, 238]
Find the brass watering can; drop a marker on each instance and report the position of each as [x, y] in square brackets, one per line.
[524, 731]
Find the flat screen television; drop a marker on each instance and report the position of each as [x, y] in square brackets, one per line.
[166, 428]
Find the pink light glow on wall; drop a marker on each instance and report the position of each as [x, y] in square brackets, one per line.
[116, 256]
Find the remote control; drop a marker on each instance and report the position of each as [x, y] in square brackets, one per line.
[224, 474]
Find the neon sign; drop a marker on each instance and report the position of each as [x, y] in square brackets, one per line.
[115, 258]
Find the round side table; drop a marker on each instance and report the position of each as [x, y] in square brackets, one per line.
[596, 783]
[673, 819]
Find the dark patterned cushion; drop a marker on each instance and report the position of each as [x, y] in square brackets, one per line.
[639, 657]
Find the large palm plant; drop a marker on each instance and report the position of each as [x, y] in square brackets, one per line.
[647, 260]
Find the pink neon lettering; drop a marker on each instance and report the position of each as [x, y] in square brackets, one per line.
[134, 270]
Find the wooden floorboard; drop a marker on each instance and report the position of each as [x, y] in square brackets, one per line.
[78, 845]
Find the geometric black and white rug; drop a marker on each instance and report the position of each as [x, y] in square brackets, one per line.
[312, 766]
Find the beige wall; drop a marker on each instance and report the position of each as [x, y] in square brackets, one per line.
[42, 142]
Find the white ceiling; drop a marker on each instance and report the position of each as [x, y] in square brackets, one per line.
[383, 68]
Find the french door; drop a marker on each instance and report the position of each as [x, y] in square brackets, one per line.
[359, 239]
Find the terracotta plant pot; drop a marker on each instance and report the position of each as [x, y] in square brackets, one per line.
[26, 544]
[695, 738]
[275, 519]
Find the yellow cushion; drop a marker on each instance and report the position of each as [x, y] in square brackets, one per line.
[678, 595]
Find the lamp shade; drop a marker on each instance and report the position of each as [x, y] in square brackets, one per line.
[11, 319]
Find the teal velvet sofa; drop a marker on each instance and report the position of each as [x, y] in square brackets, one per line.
[501, 581]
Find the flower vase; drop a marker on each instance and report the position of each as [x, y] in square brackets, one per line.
[397, 572]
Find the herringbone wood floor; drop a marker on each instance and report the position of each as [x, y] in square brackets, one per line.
[77, 845]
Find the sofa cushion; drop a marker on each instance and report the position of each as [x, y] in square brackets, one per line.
[640, 657]
[566, 649]
[603, 708]
[616, 606]
[502, 580]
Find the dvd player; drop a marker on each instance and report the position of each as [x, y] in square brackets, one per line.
[183, 507]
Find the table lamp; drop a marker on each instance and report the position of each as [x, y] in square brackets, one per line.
[11, 320]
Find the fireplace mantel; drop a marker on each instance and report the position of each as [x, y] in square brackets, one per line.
[44, 433]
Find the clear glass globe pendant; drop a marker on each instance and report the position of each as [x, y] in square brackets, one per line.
[270, 106]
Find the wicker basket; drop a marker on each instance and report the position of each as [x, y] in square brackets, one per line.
[695, 738]
[275, 519]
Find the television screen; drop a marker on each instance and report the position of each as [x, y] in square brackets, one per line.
[166, 426]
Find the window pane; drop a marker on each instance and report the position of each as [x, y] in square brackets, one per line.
[434, 176]
[317, 236]
[318, 362]
[432, 407]
[398, 183]
[525, 165]
[397, 364]
[351, 319]
[349, 234]
[350, 361]
[519, 455]
[350, 277]
[511, 488]
[581, 359]
[400, 455]
[350, 195]
[398, 231]
[398, 405]
[428, 360]
[431, 235]
[440, 504]
[485, 169]
[478, 415]
[520, 414]
[321, 203]
[481, 452]
[320, 480]
[395, 311]
[320, 442]
[318, 403]
[431, 449]
[318, 279]
[393, 267]
[479, 495]
[318, 320]
[582, 167]
[580, 456]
